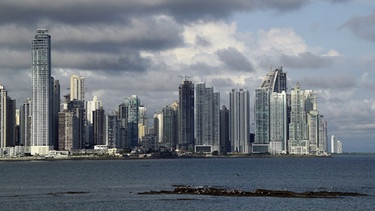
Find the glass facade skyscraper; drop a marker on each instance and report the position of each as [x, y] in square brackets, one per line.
[186, 116]
[132, 103]
[41, 93]
[273, 82]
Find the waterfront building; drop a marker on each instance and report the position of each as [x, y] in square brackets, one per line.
[7, 119]
[98, 126]
[77, 87]
[67, 131]
[122, 119]
[132, 103]
[55, 109]
[224, 130]
[186, 116]
[170, 128]
[317, 133]
[207, 118]
[302, 102]
[111, 130]
[278, 128]
[339, 149]
[336, 146]
[239, 101]
[25, 124]
[273, 82]
[42, 115]
[142, 122]
[91, 106]
[158, 126]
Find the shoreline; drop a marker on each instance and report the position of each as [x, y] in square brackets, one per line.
[144, 157]
[32, 158]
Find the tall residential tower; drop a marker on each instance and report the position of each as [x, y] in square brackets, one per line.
[186, 116]
[239, 101]
[41, 141]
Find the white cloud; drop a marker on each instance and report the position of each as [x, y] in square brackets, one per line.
[281, 41]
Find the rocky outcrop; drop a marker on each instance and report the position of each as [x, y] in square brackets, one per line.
[206, 190]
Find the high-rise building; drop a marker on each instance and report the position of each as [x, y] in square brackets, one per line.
[3, 116]
[333, 144]
[336, 145]
[317, 133]
[77, 87]
[122, 119]
[41, 93]
[302, 102]
[278, 128]
[159, 126]
[111, 130]
[25, 125]
[170, 128]
[67, 132]
[55, 109]
[142, 122]
[239, 101]
[91, 106]
[273, 82]
[186, 116]
[207, 118]
[132, 103]
[98, 126]
[224, 130]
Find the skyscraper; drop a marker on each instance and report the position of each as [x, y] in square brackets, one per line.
[302, 102]
[98, 126]
[3, 116]
[240, 120]
[91, 106]
[224, 130]
[186, 116]
[170, 132]
[273, 82]
[132, 103]
[278, 123]
[25, 124]
[41, 93]
[207, 117]
[142, 122]
[77, 87]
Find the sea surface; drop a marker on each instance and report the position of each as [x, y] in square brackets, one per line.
[115, 184]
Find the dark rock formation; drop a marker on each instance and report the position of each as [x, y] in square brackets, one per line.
[206, 190]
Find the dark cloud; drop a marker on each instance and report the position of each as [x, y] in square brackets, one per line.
[129, 61]
[333, 82]
[96, 11]
[234, 59]
[362, 26]
[304, 61]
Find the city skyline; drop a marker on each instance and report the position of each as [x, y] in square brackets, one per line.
[139, 48]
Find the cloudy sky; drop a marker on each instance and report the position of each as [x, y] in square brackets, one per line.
[143, 47]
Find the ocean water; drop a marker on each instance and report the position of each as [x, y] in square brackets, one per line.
[115, 184]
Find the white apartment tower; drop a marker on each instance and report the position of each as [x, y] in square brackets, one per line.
[3, 116]
[239, 124]
[77, 87]
[298, 128]
[278, 128]
[207, 117]
[41, 93]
